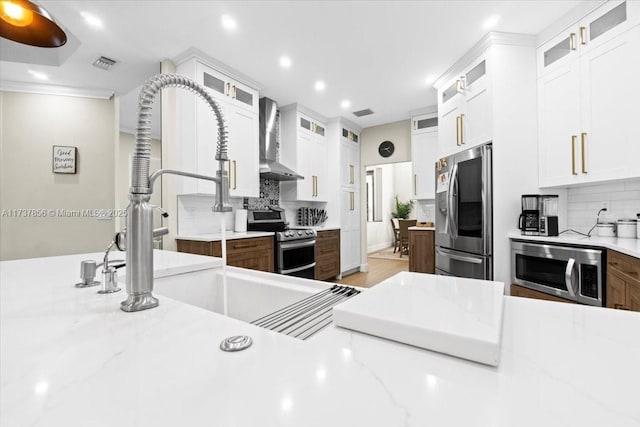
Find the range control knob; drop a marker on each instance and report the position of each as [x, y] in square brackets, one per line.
[299, 233]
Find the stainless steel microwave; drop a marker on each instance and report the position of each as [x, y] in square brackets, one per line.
[572, 273]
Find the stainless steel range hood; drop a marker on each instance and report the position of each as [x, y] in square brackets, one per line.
[269, 165]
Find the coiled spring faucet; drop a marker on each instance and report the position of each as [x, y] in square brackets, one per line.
[139, 236]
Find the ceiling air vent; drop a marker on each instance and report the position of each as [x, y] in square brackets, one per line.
[104, 63]
[364, 112]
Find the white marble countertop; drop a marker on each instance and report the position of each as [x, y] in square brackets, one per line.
[229, 235]
[71, 357]
[626, 246]
[418, 228]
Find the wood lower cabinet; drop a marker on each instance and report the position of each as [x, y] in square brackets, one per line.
[255, 253]
[327, 254]
[422, 251]
[520, 291]
[623, 281]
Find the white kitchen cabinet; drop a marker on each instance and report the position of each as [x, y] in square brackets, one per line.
[197, 131]
[349, 229]
[303, 147]
[587, 84]
[349, 158]
[424, 153]
[464, 106]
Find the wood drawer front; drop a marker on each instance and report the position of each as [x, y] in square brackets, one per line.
[327, 267]
[327, 235]
[330, 250]
[627, 266]
[196, 247]
[254, 260]
[520, 291]
[250, 244]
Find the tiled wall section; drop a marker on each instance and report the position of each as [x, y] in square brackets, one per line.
[425, 210]
[585, 202]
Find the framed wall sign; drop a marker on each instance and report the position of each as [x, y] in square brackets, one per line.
[64, 159]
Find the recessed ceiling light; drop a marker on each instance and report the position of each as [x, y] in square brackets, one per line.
[91, 19]
[228, 22]
[38, 75]
[430, 79]
[320, 86]
[491, 22]
[345, 103]
[285, 61]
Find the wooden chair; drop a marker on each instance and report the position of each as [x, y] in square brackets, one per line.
[396, 234]
[404, 234]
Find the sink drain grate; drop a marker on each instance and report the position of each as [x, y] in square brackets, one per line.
[304, 318]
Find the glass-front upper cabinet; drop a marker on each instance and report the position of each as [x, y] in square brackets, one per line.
[603, 24]
[226, 89]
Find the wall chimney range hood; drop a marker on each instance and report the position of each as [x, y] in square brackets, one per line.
[269, 165]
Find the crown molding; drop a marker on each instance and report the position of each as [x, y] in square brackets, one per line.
[43, 89]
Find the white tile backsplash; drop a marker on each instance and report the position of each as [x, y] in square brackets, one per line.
[195, 214]
[584, 202]
[425, 210]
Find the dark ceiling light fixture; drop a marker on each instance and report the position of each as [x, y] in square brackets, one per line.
[26, 22]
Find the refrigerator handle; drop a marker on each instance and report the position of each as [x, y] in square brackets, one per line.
[450, 199]
[459, 257]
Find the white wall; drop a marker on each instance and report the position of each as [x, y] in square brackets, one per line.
[397, 132]
[30, 125]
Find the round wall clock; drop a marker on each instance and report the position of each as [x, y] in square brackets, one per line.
[386, 148]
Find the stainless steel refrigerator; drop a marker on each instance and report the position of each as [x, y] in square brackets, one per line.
[464, 214]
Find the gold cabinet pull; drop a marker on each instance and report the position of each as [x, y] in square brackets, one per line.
[458, 130]
[572, 41]
[353, 202]
[414, 125]
[415, 184]
[462, 129]
[583, 137]
[573, 154]
[351, 175]
[228, 90]
[460, 85]
[235, 174]
[583, 35]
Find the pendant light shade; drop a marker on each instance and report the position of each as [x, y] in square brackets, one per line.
[26, 22]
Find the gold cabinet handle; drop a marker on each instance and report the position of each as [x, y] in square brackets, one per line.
[351, 175]
[462, 129]
[415, 184]
[583, 35]
[458, 130]
[573, 154]
[414, 125]
[583, 137]
[235, 174]
[228, 91]
[572, 41]
[353, 201]
[460, 84]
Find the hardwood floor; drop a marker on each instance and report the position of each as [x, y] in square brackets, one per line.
[379, 269]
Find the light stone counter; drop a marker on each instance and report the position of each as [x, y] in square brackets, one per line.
[71, 357]
[626, 246]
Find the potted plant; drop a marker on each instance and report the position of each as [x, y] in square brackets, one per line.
[402, 209]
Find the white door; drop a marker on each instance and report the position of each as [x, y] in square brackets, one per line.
[559, 125]
[243, 152]
[611, 89]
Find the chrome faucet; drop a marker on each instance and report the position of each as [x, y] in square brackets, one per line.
[139, 235]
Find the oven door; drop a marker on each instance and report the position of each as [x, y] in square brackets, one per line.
[296, 258]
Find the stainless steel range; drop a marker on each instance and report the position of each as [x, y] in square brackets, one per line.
[294, 247]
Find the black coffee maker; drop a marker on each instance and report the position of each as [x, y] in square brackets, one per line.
[529, 220]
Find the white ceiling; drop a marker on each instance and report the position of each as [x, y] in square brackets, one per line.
[377, 54]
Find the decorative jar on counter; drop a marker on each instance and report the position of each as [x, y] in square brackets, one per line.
[627, 228]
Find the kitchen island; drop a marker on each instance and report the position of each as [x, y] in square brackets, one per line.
[71, 357]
